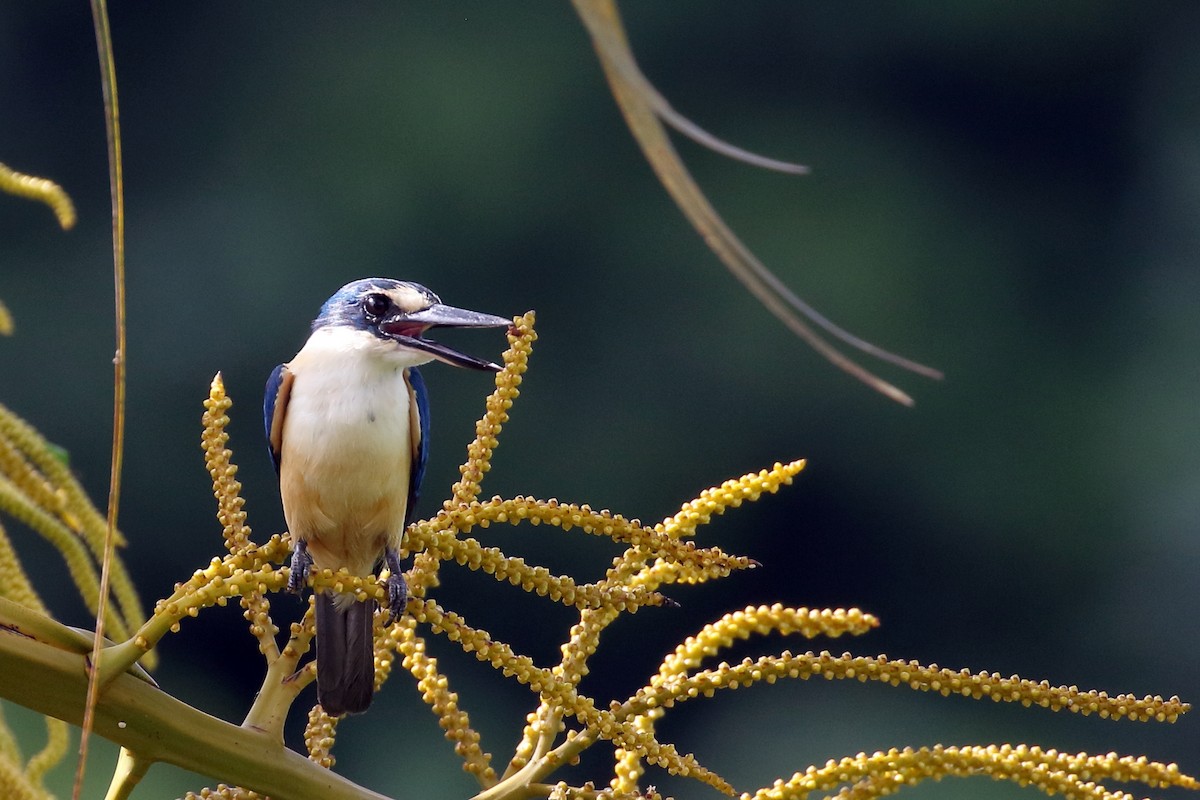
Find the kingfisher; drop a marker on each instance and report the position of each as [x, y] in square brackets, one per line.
[347, 423]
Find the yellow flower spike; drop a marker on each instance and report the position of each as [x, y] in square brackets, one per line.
[6, 321]
[40, 189]
[67, 518]
[15, 784]
[436, 693]
[638, 565]
[222, 579]
[949, 682]
[57, 740]
[362, 586]
[27, 478]
[49, 462]
[1049, 771]
[14, 583]
[9, 750]
[663, 571]
[730, 493]
[468, 552]
[218, 459]
[479, 453]
[654, 542]
[79, 562]
[319, 737]
[604, 723]
[223, 792]
[628, 571]
[761, 621]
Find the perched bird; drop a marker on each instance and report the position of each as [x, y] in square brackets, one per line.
[347, 422]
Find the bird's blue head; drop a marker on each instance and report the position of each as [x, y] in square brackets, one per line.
[401, 312]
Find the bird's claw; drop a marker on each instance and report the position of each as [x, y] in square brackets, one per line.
[300, 567]
[397, 588]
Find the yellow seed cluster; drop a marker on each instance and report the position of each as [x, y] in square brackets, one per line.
[41, 189]
[563, 791]
[479, 453]
[604, 724]
[671, 684]
[566, 516]
[445, 545]
[219, 461]
[363, 587]
[57, 739]
[541, 727]
[24, 781]
[38, 489]
[1047, 770]
[582, 642]
[762, 620]
[730, 494]
[435, 691]
[237, 575]
[319, 736]
[949, 682]
[666, 572]
[223, 792]
[14, 583]
[15, 783]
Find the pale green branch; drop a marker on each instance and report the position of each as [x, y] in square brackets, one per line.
[157, 727]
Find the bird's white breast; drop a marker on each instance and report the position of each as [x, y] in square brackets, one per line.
[346, 456]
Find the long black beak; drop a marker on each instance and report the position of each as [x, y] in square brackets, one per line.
[407, 329]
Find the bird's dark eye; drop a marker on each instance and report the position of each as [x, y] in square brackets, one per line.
[376, 305]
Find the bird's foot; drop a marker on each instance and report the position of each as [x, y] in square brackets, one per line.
[397, 588]
[301, 564]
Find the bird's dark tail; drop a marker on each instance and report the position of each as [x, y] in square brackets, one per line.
[345, 655]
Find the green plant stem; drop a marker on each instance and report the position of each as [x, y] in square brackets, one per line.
[157, 727]
[275, 697]
[128, 774]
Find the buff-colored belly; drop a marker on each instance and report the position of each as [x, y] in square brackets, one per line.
[345, 467]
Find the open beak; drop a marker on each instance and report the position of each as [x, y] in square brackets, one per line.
[407, 329]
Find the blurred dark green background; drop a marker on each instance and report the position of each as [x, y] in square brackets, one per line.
[1009, 192]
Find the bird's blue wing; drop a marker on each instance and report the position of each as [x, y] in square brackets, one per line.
[275, 401]
[418, 431]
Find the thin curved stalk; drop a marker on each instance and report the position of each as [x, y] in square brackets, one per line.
[108, 83]
[645, 110]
